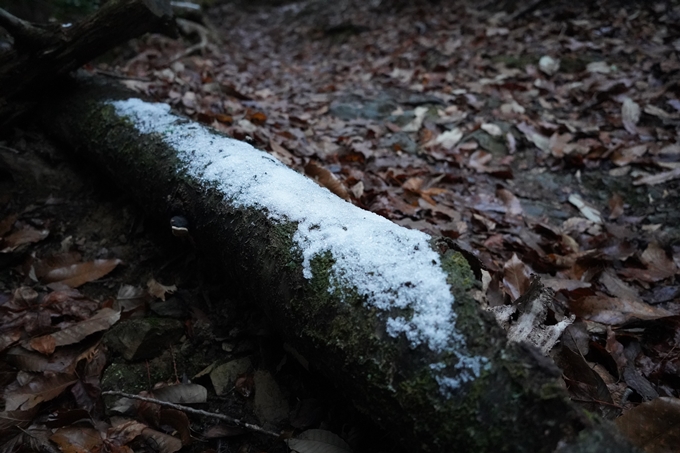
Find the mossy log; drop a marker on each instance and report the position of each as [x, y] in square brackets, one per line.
[385, 312]
[41, 53]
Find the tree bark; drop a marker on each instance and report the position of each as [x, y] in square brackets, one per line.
[471, 391]
[41, 54]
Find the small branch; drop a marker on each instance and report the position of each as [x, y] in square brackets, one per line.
[191, 410]
[188, 28]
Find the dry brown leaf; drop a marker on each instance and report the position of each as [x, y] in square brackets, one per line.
[43, 387]
[627, 155]
[516, 277]
[60, 362]
[179, 421]
[163, 443]
[615, 206]
[630, 115]
[659, 265]
[613, 311]
[76, 275]
[512, 203]
[77, 439]
[617, 287]
[102, 320]
[282, 153]
[44, 345]
[159, 290]
[7, 223]
[327, 179]
[124, 431]
[26, 235]
[658, 178]
[653, 426]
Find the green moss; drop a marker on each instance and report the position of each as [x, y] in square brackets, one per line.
[283, 241]
[459, 275]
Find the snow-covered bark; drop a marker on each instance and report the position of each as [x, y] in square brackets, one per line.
[385, 311]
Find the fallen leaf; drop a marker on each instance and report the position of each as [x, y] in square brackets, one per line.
[548, 65]
[77, 439]
[327, 179]
[653, 426]
[44, 387]
[658, 178]
[615, 206]
[588, 211]
[491, 129]
[627, 155]
[614, 311]
[447, 139]
[541, 141]
[182, 394]
[630, 115]
[102, 320]
[76, 275]
[26, 235]
[163, 443]
[516, 277]
[159, 290]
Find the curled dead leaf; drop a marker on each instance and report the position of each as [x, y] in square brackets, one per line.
[326, 179]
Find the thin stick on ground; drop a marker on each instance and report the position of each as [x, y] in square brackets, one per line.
[190, 410]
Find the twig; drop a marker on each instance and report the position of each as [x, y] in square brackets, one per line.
[188, 27]
[191, 410]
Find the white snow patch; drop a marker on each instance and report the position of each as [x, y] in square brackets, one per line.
[371, 254]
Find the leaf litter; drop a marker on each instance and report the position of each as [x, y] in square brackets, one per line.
[511, 134]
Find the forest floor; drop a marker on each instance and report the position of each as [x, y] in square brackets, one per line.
[545, 142]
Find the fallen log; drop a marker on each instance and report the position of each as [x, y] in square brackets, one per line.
[42, 53]
[386, 312]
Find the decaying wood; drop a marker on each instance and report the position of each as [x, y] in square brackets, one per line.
[516, 403]
[41, 54]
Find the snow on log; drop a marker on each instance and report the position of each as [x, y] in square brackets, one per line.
[385, 312]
